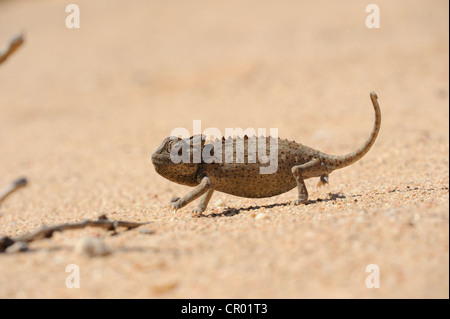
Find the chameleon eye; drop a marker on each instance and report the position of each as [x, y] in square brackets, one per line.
[172, 144]
[177, 147]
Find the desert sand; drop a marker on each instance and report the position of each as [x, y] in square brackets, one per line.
[82, 110]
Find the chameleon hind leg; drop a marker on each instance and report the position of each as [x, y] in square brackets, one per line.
[202, 188]
[297, 171]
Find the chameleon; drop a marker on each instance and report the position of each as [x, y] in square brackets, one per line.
[296, 163]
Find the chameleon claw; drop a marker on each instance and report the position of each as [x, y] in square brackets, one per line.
[323, 181]
[174, 204]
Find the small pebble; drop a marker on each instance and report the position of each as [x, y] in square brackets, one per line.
[92, 247]
[261, 216]
[220, 203]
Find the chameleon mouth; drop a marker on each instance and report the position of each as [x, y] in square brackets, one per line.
[157, 159]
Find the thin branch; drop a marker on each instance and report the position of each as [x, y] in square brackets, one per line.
[47, 231]
[13, 45]
[21, 182]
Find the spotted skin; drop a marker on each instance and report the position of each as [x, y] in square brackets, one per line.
[296, 163]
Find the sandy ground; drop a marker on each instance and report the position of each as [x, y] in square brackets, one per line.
[83, 110]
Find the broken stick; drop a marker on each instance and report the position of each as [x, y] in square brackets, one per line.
[47, 231]
[13, 45]
[21, 182]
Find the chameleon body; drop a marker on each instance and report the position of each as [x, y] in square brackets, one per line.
[296, 163]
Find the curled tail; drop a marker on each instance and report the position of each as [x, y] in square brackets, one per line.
[350, 158]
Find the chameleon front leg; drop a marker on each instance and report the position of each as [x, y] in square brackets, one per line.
[202, 188]
[297, 171]
[204, 200]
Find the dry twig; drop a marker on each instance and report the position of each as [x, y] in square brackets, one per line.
[47, 231]
[13, 45]
[21, 182]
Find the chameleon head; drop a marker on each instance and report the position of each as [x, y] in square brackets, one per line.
[174, 160]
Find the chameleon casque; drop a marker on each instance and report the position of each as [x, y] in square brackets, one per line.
[296, 163]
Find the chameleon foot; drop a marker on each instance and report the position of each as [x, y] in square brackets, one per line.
[299, 202]
[175, 204]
